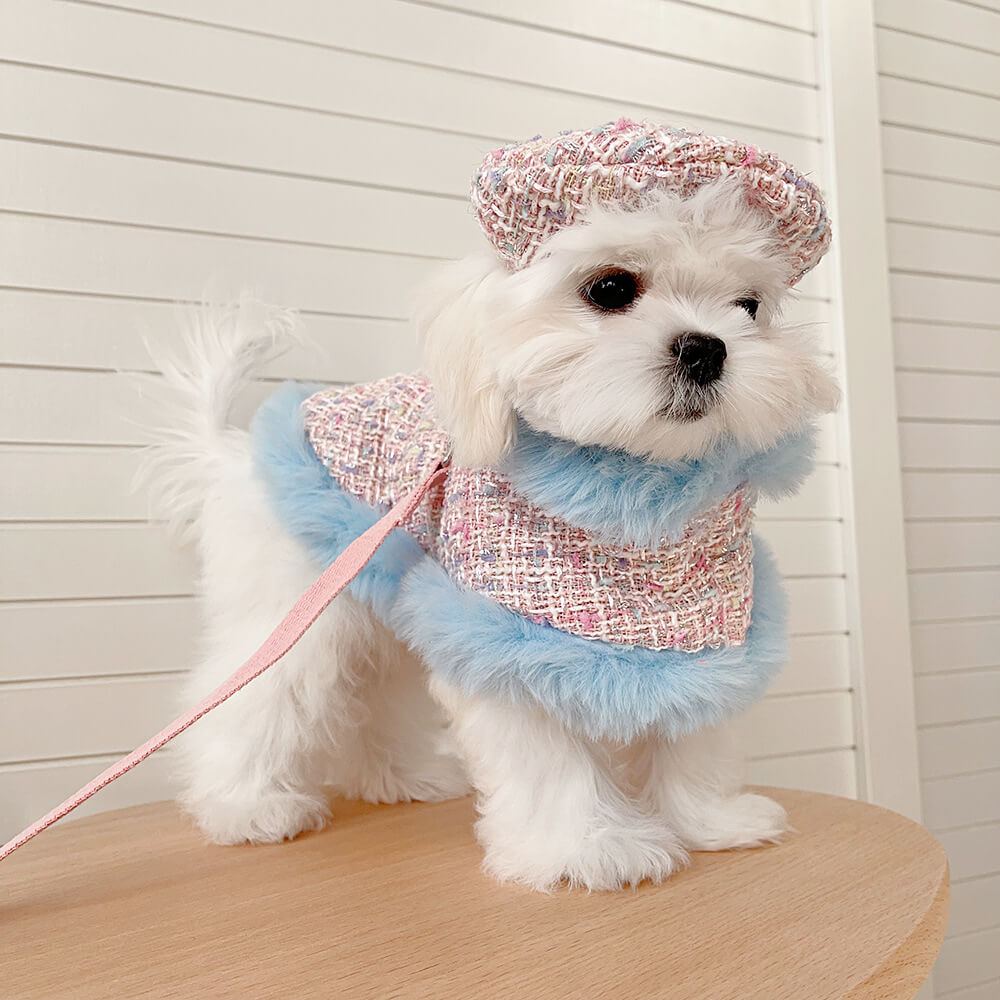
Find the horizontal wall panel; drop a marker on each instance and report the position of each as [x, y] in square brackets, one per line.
[944, 545]
[949, 446]
[943, 300]
[62, 719]
[944, 251]
[472, 94]
[924, 105]
[964, 24]
[912, 151]
[947, 395]
[84, 331]
[972, 594]
[53, 105]
[966, 960]
[942, 203]
[787, 13]
[817, 605]
[934, 61]
[944, 698]
[944, 348]
[799, 724]
[682, 29]
[55, 254]
[69, 484]
[972, 850]
[830, 773]
[89, 638]
[82, 183]
[75, 407]
[947, 750]
[72, 561]
[482, 46]
[31, 790]
[819, 497]
[94, 407]
[956, 646]
[973, 905]
[953, 494]
[815, 663]
[962, 800]
[804, 548]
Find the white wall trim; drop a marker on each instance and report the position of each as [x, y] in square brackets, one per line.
[876, 558]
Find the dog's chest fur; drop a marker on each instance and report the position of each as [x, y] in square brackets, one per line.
[690, 592]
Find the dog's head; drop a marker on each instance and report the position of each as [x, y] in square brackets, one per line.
[653, 327]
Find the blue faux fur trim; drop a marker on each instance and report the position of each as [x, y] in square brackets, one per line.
[602, 689]
[620, 498]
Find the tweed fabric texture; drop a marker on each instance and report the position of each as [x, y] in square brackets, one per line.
[525, 192]
[695, 592]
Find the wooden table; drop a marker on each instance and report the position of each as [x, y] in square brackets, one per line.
[389, 901]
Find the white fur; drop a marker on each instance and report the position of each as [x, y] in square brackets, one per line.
[349, 707]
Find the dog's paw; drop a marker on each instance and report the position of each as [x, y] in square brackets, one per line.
[605, 860]
[266, 819]
[745, 820]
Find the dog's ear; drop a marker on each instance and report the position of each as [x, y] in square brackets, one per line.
[453, 319]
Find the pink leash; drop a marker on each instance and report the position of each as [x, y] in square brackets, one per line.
[292, 627]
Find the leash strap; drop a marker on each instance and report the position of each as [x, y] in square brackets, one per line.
[292, 627]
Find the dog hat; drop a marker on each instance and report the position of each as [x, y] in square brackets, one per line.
[525, 192]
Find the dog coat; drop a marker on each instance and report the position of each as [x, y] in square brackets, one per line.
[379, 440]
[618, 594]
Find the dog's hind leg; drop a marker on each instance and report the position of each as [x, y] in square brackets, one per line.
[255, 768]
[404, 749]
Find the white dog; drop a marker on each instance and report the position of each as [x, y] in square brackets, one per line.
[620, 371]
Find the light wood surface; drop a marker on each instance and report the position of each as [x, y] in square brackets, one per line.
[389, 901]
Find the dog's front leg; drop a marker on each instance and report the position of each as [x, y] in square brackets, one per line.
[693, 785]
[550, 810]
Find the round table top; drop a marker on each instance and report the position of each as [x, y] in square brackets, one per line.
[389, 901]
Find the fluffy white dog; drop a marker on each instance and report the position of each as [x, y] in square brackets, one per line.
[621, 379]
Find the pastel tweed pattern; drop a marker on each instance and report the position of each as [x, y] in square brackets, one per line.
[693, 593]
[525, 192]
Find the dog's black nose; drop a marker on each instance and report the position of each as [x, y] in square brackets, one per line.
[701, 356]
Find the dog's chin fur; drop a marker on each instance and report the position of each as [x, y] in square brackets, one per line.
[501, 344]
[349, 706]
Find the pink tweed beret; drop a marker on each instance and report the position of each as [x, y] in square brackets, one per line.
[525, 192]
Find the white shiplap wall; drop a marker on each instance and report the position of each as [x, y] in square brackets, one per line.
[320, 153]
[939, 65]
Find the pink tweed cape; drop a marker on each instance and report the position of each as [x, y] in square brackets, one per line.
[694, 592]
[525, 192]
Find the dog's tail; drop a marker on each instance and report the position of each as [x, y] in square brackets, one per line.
[219, 351]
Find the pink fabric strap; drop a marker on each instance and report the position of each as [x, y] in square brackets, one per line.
[294, 625]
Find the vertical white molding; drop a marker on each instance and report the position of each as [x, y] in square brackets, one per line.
[885, 721]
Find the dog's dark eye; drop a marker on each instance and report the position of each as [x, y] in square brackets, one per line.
[612, 292]
[751, 306]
